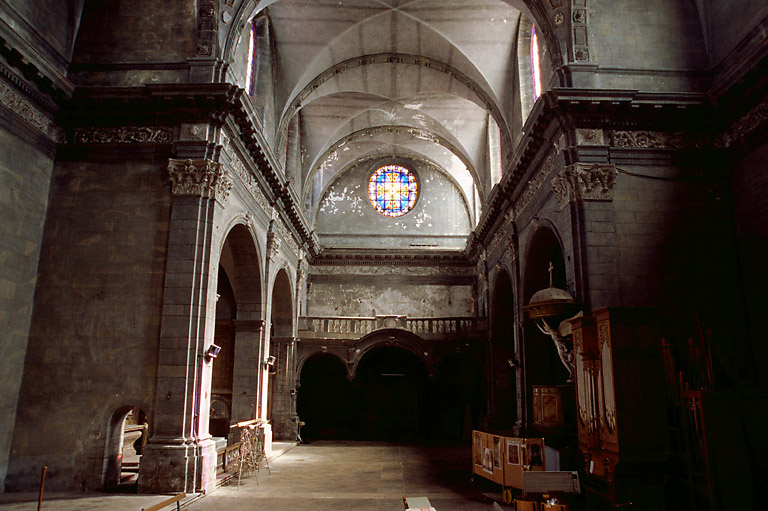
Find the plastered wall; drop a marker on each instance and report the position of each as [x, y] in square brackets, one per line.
[346, 218]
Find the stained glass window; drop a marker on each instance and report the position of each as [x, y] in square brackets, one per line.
[393, 190]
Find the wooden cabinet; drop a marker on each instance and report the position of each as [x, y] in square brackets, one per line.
[548, 405]
[621, 405]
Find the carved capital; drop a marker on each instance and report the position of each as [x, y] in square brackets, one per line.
[273, 246]
[584, 182]
[199, 177]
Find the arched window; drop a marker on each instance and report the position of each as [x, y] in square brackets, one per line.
[253, 60]
[535, 64]
[392, 190]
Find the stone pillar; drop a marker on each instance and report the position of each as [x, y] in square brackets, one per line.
[248, 371]
[588, 189]
[180, 455]
[284, 424]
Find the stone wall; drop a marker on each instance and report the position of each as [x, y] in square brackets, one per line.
[53, 23]
[728, 22]
[148, 42]
[346, 218]
[652, 41]
[749, 186]
[94, 335]
[25, 175]
[405, 292]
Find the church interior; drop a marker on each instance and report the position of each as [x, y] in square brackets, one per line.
[489, 223]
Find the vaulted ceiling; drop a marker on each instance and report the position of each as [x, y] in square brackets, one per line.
[431, 79]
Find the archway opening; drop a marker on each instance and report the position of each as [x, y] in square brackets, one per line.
[325, 400]
[223, 366]
[279, 363]
[503, 358]
[235, 378]
[392, 387]
[458, 397]
[127, 434]
[543, 365]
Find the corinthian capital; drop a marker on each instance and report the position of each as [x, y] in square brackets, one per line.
[199, 177]
[584, 181]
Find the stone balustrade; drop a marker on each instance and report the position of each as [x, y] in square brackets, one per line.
[349, 327]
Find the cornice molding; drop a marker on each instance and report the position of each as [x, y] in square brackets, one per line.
[173, 104]
[375, 257]
[563, 109]
[29, 112]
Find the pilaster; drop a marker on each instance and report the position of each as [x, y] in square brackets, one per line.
[284, 425]
[587, 188]
[248, 370]
[180, 455]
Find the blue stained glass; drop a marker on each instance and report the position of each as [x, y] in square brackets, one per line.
[393, 190]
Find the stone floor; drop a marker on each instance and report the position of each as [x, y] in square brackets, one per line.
[359, 476]
[356, 476]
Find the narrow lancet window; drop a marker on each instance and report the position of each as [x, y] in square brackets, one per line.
[535, 68]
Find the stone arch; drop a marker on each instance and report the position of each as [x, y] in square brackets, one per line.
[237, 371]
[112, 465]
[308, 356]
[544, 243]
[392, 337]
[324, 400]
[537, 9]
[542, 364]
[502, 413]
[241, 258]
[393, 388]
[281, 313]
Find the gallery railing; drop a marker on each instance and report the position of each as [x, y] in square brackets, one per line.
[355, 327]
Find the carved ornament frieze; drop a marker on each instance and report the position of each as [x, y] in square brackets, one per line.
[502, 236]
[17, 104]
[122, 135]
[249, 182]
[287, 236]
[535, 184]
[452, 271]
[584, 181]
[742, 127]
[654, 140]
[273, 247]
[205, 178]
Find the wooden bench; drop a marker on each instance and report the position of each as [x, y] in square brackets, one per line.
[167, 502]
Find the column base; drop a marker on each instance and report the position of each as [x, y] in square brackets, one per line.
[168, 468]
[267, 439]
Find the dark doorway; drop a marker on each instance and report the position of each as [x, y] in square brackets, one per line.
[392, 390]
[503, 411]
[325, 402]
[458, 397]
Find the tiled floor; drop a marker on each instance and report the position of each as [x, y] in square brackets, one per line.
[359, 476]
